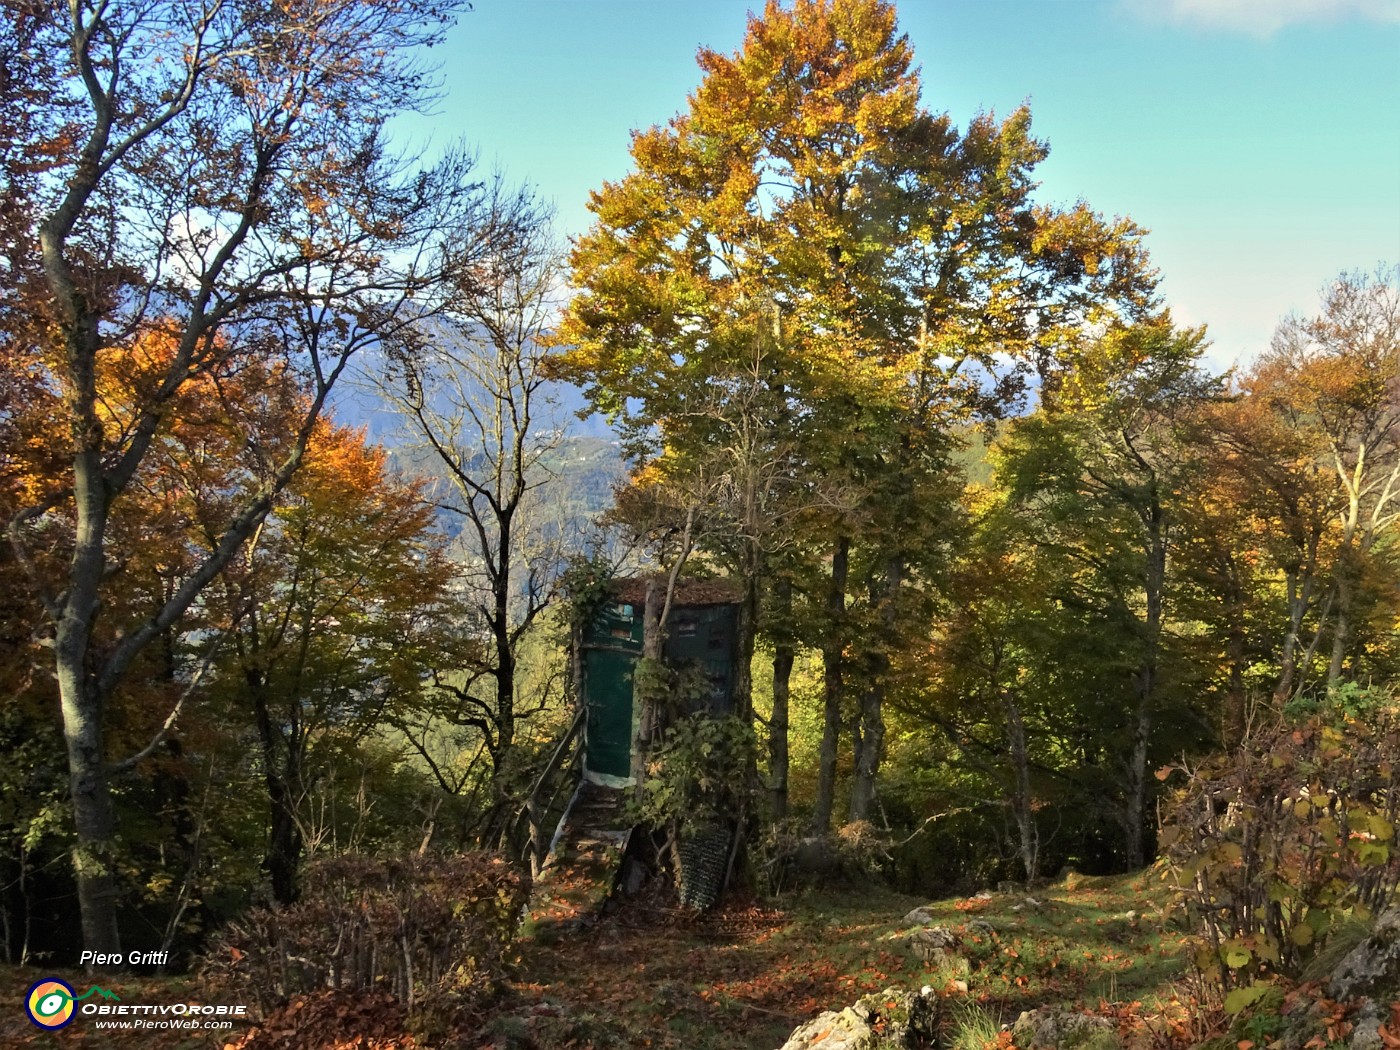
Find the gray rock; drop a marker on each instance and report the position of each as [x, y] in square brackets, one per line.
[926, 940]
[834, 1031]
[1054, 1028]
[1301, 1030]
[936, 948]
[905, 1019]
[1366, 1035]
[919, 917]
[1372, 968]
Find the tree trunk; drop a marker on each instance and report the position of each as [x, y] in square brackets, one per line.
[833, 650]
[82, 706]
[501, 639]
[94, 816]
[867, 759]
[1021, 796]
[282, 779]
[1347, 557]
[872, 720]
[749, 615]
[1135, 815]
[282, 861]
[784, 655]
[1299, 596]
[1341, 630]
[1236, 714]
[857, 730]
[1236, 693]
[654, 610]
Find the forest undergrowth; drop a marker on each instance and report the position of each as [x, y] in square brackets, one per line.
[649, 975]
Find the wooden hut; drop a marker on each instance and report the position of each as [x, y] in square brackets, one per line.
[588, 855]
[701, 637]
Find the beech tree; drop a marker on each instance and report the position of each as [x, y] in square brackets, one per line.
[336, 611]
[1337, 375]
[1260, 538]
[221, 166]
[1100, 464]
[1301, 490]
[896, 274]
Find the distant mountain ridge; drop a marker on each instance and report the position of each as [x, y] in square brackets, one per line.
[579, 473]
[357, 401]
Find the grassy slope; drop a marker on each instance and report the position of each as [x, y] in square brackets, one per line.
[746, 976]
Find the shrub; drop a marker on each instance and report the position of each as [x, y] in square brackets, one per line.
[1275, 846]
[698, 776]
[433, 928]
[696, 790]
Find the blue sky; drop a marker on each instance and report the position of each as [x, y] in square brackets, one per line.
[1259, 140]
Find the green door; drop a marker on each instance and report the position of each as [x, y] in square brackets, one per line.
[608, 744]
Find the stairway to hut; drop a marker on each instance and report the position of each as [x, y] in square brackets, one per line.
[584, 860]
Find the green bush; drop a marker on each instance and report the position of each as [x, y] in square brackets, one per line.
[1274, 847]
[696, 791]
[698, 776]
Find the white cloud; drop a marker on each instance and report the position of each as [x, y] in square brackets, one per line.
[1263, 18]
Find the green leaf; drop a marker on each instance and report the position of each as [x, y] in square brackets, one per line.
[1378, 826]
[1372, 854]
[1235, 955]
[1242, 999]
